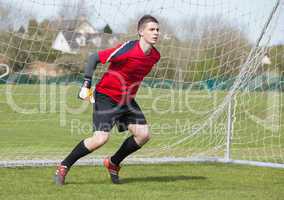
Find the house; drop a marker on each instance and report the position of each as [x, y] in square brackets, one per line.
[266, 60]
[66, 42]
[75, 35]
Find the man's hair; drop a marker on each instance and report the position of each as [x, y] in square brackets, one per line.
[146, 19]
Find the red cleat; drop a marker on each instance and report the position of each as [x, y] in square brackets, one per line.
[59, 177]
[113, 170]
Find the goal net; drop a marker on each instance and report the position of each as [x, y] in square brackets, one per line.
[215, 95]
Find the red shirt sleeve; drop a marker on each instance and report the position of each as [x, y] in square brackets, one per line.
[105, 55]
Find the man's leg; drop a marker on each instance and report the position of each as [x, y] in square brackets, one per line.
[85, 147]
[82, 149]
[140, 135]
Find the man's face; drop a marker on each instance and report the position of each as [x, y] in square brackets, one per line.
[150, 32]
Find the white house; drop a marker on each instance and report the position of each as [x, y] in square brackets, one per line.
[75, 34]
[61, 43]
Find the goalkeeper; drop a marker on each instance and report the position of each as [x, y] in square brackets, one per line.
[114, 102]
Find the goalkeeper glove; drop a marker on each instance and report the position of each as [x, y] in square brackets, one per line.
[86, 92]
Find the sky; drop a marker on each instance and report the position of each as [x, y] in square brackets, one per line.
[249, 15]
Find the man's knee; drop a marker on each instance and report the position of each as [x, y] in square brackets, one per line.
[97, 140]
[141, 133]
[145, 136]
[101, 136]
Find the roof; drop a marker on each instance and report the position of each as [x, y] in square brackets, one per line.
[72, 36]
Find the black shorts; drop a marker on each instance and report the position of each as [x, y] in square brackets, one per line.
[107, 113]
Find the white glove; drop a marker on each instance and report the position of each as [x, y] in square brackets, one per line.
[86, 93]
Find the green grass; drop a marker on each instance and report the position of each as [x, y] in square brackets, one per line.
[48, 133]
[51, 129]
[170, 181]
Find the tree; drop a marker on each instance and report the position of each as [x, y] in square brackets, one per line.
[19, 54]
[210, 48]
[107, 29]
[5, 16]
[226, 45]
[32, 27]
[44, 27]
[21, 30]
[79, 8]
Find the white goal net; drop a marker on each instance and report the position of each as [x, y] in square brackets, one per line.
[216, 94]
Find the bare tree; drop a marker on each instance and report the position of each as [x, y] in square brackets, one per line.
[72, 11]
[5, 16]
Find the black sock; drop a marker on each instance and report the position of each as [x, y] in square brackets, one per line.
[78, 152]
[128, 146]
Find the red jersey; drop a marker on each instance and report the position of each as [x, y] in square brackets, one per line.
[128, 67]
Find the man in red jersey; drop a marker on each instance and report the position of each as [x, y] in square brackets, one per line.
[114, 98]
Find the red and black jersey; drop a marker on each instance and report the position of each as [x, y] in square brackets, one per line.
[128, 67]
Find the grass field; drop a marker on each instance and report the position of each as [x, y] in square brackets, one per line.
[45, 122]
[171, 181]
